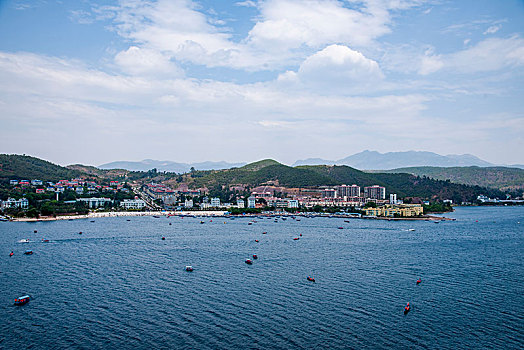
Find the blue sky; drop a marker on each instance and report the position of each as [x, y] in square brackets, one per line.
[97, 81]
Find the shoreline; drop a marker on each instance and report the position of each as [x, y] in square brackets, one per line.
[97, 215]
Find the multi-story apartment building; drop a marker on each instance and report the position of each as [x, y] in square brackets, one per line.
[375, 192]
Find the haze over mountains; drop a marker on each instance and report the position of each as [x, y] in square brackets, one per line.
[372, 160]
[366, 160]
[165, 165]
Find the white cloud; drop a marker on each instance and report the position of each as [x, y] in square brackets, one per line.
[137, 61]
[335, 68]
[492, 29]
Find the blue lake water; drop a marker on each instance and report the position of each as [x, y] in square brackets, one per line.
[118, 285]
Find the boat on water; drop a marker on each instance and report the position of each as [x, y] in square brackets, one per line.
[419, 281]
[156, 216]
[28, 252]
[407, 309]
[11, 254]
[255, 256]
[265, 232]
[311, 279]
[250, 223]
[411, 229]
[249, 262]
[22, 300]
[256, 240]
[340, 228]
[25, 240]
[163, 238]
[296, 238]
[189, 268]
[45, 240]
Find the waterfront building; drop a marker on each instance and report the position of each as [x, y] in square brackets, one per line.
[240, 203]
[251, 202]
[348, 191]
[133, 204]
[392, 198]
[94, 202]
[292, 203]
[188, 203]
[22, 203]
[375, 192]
[215, 202]
[402, 210]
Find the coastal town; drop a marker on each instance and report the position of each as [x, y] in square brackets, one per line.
[37, 198]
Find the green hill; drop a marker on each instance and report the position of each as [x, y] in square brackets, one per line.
[502, 178]
[405, 185]
[19, 167]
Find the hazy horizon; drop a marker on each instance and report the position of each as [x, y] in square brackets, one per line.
[94, 82]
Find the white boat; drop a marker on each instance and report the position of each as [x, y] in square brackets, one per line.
[25, 240]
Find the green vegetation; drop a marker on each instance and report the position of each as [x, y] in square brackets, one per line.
[438, 207]
[20, 167]
[501, 178]
[240, 211]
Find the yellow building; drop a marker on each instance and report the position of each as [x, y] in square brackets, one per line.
[404, 210]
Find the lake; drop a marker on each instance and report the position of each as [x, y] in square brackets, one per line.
[118, 285]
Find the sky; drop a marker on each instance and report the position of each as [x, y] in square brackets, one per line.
[98, 81]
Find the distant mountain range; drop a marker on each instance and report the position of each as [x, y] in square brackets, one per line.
[165, 165]
[372, 160]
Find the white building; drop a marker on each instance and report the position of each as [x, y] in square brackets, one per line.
[392, 198]
[22, 203]
[133, 204]
[215, 202]
[188, 203]
[79, 190]
[375, 192]
[13, 182]
[240, 203]
[292, 203]
[94, 202]
[251, 202]
[36, 182]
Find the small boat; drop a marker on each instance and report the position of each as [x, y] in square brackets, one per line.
[264, 232]
[22, 300]
[296, 238]
[256, 240]
[11, 254]
[45, 240]
[25, 240]
[189, 268]
[28, 252]
[80, 232]
[163, 238]
[249, 262]
[35, 231]
[340, 228]
[346, 221]
[419, 280]
[128, 220]
[311, 279]
[250, 223]
[92, 220]
[300, 235]
[407, 309]
[156, 216]
[202, 222]
[255, 256]
[411, 229]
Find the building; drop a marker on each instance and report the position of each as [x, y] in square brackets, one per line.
[403, 210]
[188, 203]
[292, 203]
[375, 192]
[328, 193]
[40, 190]
[240, 203]
[251, 202]
[215, 202]
[37, 182]
[347, 191]
[13, 182]
[133, 204]
[392, 198]
[94, 202]
[79, 190]
[10, 203]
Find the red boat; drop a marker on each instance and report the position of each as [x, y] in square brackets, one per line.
[255, 256]
[309, 278]
[249, 262]
[419, 281]
[256, 240]
[296, 238]
[407, 309]
[11, 254]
